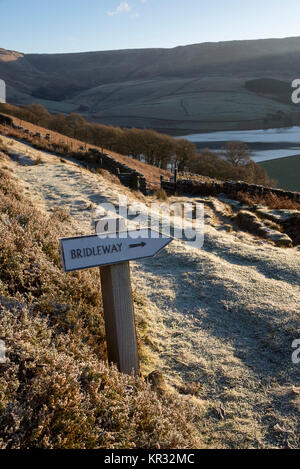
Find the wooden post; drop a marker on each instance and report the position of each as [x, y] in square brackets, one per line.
[134, 181]
[175, 175]
[137, 182]
[119, 316]
[175, 180]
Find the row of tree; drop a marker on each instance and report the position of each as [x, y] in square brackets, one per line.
[154, 148]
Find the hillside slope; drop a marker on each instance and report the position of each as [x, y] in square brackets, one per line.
[284, 170]
[151, 173]
[184, 89]
[224, 315]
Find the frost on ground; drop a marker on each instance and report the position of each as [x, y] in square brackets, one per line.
[224, 315]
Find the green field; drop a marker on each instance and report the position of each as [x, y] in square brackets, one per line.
[286, 171]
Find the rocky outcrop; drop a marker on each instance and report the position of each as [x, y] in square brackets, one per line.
[248, 221]
[292, 227]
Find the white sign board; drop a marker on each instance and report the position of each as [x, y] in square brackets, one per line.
[85, 252]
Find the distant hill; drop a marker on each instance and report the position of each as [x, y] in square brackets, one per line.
[209, 86]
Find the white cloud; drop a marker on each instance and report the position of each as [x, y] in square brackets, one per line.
[143, 1]
[123, 7]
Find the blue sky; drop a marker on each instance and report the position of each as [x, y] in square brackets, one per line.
[46, 26]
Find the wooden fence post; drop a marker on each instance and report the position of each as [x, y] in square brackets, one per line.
[175, 175]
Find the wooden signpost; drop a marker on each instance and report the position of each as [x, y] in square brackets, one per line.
[112, 253]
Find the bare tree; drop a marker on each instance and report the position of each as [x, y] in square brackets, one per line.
[185, 154]
[237, 153]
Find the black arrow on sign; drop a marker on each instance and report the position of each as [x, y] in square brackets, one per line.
[141, 245]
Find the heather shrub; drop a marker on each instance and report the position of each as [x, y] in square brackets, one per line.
[161, 194]
[30, 265]
[38, 160]
[108, 176]
[55, 393]
[271, 200]
[61, 213]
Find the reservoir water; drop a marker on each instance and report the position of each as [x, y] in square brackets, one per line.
[264, 144]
